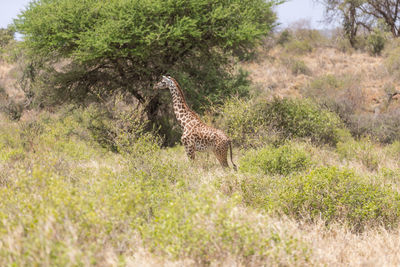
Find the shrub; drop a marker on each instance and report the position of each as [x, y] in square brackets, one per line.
[376, 42]
[270, 160]
[344, 45]
[392, 59]
[302, 118]
[254, 123]
[340, 195]
[326, 193]
[299, 47]
[299, 67]
[384, 127]
[284, 37]
[119, 126]
[342, 95]
[6, 37]
[363, 150]
[12, 109]
[243, 122]
[296, 66]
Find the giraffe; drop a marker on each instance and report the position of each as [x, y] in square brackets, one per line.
[197, 136]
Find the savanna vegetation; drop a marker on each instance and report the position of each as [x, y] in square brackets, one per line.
[92, 172]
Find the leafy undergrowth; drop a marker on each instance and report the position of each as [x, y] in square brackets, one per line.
[66, 199]
[326, 193]
[270, 160]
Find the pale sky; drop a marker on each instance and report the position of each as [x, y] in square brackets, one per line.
[289, 12]
[295, 10]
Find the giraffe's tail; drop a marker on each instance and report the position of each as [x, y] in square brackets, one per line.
[230, 147]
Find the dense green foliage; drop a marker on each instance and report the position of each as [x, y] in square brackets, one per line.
[126, 45]
[376, 42]
[252, 123]
[327, 193]
[270, 160]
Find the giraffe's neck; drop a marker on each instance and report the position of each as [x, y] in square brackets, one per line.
[183, 113]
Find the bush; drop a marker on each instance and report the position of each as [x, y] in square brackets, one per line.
[342, 95]
[376, 42]
[284, 37]
[6, 37]
[325, 193]
[120, 127]
[254, 123]
[384, 127]
[344, 45]
[270, 160]
[299, 47]
[392, 59]
[243, 122]
[299, 67]
[340, 195]
[12, 109]
[296, 66]
[363, 150]
[303, 119]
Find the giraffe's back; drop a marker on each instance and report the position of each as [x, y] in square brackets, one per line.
[209, 138]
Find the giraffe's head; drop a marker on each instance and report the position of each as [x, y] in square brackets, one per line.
[165, 83]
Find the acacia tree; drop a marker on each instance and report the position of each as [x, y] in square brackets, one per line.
[82, 48]
[364, 14]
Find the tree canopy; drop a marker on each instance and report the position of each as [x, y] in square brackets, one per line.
[106, 45]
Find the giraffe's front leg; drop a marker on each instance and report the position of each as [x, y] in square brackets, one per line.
[189, 147]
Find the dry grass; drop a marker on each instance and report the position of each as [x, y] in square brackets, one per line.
[339, 247]
[271, 75]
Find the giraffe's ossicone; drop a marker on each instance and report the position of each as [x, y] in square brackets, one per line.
[197, 136]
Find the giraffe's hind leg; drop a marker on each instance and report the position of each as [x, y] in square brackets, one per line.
[221, 152]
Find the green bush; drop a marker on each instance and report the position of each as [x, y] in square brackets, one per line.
[340, 195]
[270, 160]
[328, 82]
[299, 47]
[6, 38]
[119, 127]
[299, 67]
[284, 37]
[344, 45]
[251, 123]
[376, 42]
[363, 150]
[304, 119]
[243, 122]
[326, 193]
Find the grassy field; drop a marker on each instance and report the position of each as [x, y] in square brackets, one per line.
[311, 189]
